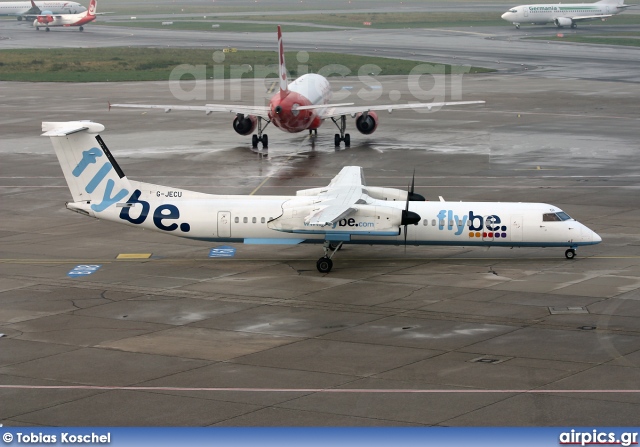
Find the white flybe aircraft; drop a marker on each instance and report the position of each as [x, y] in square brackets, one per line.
[345, 211]
[564, 14]
[26, 10]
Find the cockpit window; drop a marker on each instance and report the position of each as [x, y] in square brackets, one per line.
[555, 217]
[513, 10]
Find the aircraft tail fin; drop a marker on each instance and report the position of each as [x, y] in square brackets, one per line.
[93, 6]
[95, 179]
[282, 69]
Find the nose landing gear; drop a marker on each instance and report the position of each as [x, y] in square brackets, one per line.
[570, 253]
[260, 138]
[342, 136]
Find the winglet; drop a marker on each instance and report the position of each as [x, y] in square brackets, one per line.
[282, 69]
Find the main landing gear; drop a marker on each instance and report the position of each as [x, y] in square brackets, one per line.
[260, 138]
[81, 28]
[517, 25]
[342, 136]
[570, 253]
[325, 264]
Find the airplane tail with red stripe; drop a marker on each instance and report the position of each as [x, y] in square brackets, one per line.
[282, 69]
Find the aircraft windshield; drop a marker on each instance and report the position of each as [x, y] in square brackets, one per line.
[513, 10]
[555, 217]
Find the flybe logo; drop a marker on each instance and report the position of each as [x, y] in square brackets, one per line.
[164, 216]
[90, 157]
[477, 225]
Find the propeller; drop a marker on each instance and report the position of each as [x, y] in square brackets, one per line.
[412, 196]
[409, 217]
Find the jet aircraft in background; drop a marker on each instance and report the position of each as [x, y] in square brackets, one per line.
[564, 14]
[48, 20]
[345, 211]
[300, 105]
[30, 10]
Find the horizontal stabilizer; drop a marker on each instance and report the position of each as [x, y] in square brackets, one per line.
[60, 129]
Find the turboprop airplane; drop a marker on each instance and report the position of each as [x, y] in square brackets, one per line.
[564, 14]
[345, 211]
[50, 20]
[300, 105]
[30, 10]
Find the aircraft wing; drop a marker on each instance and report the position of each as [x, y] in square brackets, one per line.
[208, 108]
[336, 202]
[339, 110]
[581, 18]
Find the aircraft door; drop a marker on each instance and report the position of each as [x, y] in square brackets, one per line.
[224, 224]
[516, 229]
[526, 11]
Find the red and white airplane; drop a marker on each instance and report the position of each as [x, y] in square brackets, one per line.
[300, 105]
[48, 19]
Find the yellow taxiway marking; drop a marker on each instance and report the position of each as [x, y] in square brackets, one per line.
[133, 256]
[266, 179]
[259, 186]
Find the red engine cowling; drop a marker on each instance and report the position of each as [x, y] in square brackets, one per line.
[245, 124]
[45, 19]
[367, 124]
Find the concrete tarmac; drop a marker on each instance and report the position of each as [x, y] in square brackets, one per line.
[474, 337]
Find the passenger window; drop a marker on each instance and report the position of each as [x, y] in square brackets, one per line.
[425, 222]
[245, 220]
[441, 222]
[433, 222]
[550, 217]
[237, 220]
[262, 220]
[253, 220]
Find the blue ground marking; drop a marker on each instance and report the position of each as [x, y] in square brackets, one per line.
[224, 251]
[83, 270]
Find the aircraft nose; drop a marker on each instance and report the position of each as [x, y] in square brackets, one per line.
[596, 237]
[505, 16]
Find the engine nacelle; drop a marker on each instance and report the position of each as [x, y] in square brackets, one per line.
[245, 124]
[367, 123]
[563, 21]
[391, 194]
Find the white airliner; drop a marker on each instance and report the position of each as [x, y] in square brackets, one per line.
[51, 20]
[564, 14]
[345, 211]
[299, 106]
[29, 11]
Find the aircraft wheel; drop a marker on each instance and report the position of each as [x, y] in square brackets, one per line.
[337, 139]
[570, 253]
[254, 141]
[574, 25]
[47, 29]
[82, 28]
[37, 28]
[265, 141]
[347, 140]
[333, 246]
[324, 265]
[517, 26]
